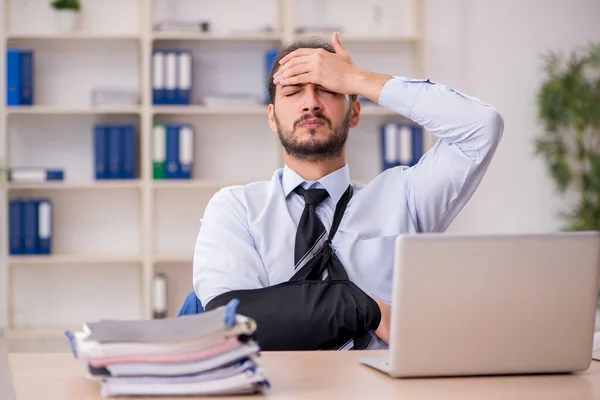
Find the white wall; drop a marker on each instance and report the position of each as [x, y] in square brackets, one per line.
[491, 49]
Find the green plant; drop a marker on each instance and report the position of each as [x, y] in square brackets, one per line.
[66, 5]
[569, 107]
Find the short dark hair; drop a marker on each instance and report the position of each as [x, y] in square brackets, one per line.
[304, 43]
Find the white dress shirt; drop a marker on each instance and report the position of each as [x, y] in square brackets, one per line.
[247, 233]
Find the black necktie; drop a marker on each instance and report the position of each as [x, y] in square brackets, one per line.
[310, 227]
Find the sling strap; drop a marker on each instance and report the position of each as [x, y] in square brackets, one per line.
[326, 258]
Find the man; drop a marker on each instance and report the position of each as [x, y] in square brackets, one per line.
[313, 278]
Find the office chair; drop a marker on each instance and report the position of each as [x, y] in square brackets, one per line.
[191, 305]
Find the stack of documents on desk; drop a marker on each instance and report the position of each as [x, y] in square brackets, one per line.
[211, 353]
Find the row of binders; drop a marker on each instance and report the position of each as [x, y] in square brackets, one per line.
[171, 77]
[212, 353]
[19, 77]
[115, 151]
[401, 145]
[30, 226]
[173, 151]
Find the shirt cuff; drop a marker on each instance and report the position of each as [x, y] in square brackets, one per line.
[399, 94]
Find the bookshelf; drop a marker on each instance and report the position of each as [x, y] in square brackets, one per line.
[111, 237]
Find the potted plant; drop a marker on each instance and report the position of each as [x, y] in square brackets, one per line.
[569, 107]
[67, 13]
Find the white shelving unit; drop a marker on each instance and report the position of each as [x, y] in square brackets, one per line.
[111, 237]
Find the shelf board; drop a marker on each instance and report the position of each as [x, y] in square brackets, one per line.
[195, 184]
[174, 258]
[72, 259]
[65, 185]
[241, 37]
[50, 332]
[203, 110]
[374, 39]
[71, 36]
[57, 110]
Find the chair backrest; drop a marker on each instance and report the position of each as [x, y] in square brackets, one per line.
[191, 305]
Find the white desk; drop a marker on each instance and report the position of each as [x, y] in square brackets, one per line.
[317, 375]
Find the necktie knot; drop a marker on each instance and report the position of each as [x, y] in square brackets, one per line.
[312, 196]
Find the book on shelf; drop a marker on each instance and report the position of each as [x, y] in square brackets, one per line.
[172, 73]
[159, 150]
[211, 353]
[170, 77]
[30, 226]
[184, 77]
[115, 151]
[19, 77]
[173, 151]
[401, 145]
[27, 175]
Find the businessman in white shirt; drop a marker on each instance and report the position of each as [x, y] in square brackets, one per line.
[268, 244]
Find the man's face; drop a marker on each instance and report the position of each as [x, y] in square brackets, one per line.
[312, 122]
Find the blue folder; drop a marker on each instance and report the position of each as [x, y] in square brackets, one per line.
[173, 166]
[26, 94]
[15, 227]
[115, 152]
[13, 77]
[101, 151]
[30, 226]
[129, 152]
[184, 77]
[158, 77]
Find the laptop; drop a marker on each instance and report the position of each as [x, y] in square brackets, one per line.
[492, 304]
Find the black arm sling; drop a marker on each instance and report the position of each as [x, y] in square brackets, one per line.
[308, 312]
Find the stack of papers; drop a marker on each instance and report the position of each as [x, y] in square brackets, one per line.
[212, 353]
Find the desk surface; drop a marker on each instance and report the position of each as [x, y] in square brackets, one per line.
[317, 375]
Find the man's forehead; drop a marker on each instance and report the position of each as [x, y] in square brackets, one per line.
[300, 85]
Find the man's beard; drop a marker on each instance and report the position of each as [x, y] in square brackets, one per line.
[315, 150]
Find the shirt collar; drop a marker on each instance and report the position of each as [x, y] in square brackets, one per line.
[335, 183]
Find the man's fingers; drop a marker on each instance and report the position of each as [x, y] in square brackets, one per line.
[292, 71]
[337, 45]
[296, 53]
[292, 63]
